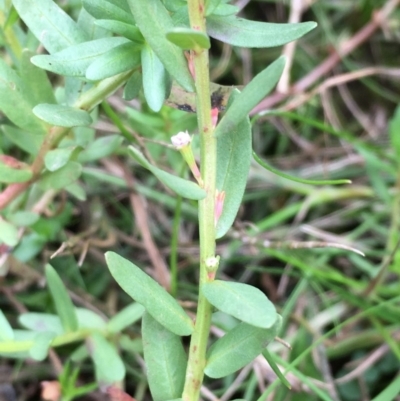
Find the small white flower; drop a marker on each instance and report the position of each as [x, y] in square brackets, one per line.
[181, 139]
[212, 262]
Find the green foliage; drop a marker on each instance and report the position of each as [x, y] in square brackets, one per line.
[245, 33]
[154, 22]
[72, 177]
[165, 360]
[143, 289]
[237, 348]
[182, 187]
[242, 301]
[62, 301]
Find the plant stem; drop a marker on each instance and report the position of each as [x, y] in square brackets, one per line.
[208, 150]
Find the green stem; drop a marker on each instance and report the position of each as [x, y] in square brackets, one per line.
[198, 344]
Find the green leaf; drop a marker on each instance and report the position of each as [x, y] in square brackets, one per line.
[126, 317]
[57, 158]
[211, 5]
[225, 10]
[87, 319]
[106, 10]
[233, 165]
[129, 31]
[63, 304]
[41, 322]
[188, 39]
[37, 83]
[50, 24]
[25, 140]
[122, 58]
[252, 94]
[143, 289]
[23, 218]
[41, 345]
[156, 83]
[14, 92]
[238, 348]
[9, 174]
[295, 179]
[242, 301]
[165, 360]
[154, 21]
[245, 33]
[77, 191]
[75, 60]
[108, 364]
[275, 368]
[8, 233]
[6, 331]
[100, 148]
[133, 86]
[62, 177]
[62, 116]
[186, 189]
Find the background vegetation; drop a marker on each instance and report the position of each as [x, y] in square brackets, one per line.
[334, 117]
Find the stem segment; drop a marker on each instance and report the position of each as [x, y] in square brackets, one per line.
[198, 344]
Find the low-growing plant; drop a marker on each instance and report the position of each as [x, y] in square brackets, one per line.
[161, 49]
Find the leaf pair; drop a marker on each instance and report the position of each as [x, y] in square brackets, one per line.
[162, 325]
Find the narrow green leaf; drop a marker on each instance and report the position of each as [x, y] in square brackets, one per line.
[188, 39]
[62, 177]
[122, 58]
[186, 189]
[100, 148]
[245, 33]
[57, 158]
[63, 304]
[238, 348]
[8, 233]
[154, 21]
[25, 140]
[126, 317]
[129, 31]
[143, 289]
[108, 364]
[87, 319]
[14, 92]
[242, 301]
[36, 81]
[390, 392]
[50, 24]
[6, 331]
[275, 368]
[252, 94]
[233, 165]
[133, 86]
[106, 10]
[296, 179]
[23, 218]
[75, 60]
[41, 322]
[9, 175]
[165, 360]
[77, 191]
[226, 10]
[156, 83]
[41, 345]
[211, 5]
[62, 116]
